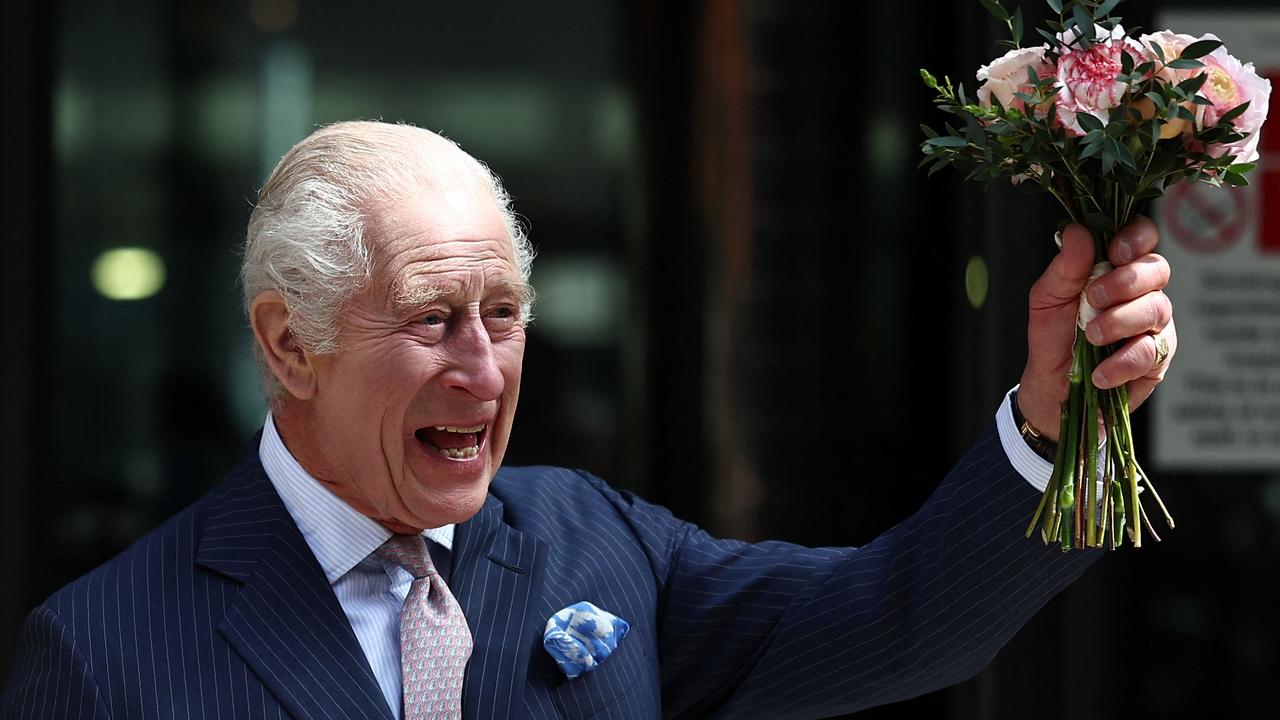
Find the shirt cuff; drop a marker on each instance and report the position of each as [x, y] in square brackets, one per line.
[1033, 468]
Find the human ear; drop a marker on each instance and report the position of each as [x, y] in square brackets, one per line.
[289, 362]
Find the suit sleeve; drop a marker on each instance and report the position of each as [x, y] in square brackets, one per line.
[780, 631]
[50, 677]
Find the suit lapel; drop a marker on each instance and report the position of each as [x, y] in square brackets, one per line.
[495, 571]
[286, 623]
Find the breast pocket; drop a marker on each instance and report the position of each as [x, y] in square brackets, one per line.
[613, 684]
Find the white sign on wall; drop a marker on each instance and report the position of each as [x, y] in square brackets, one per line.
[1219, 407]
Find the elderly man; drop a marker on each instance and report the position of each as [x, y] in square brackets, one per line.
[370, 560]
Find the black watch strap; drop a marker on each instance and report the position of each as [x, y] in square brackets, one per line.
[1043, 446]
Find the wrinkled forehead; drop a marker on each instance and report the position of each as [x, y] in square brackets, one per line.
[452, 243]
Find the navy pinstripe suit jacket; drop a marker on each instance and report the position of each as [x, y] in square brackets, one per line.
[223, 612]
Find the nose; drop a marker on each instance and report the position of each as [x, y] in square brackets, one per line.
[473, 366]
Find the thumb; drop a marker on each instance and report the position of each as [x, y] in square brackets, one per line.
[1051, 322]
[1066, 276]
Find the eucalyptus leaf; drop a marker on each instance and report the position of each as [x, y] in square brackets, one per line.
[1083, 21]
[1105, 8]
[1056, 6]
[947, 141]
[995, 8]
[1184, 64]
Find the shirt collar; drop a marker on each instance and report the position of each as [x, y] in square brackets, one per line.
[338, 535]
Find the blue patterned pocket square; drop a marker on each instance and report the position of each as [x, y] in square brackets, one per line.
[581, 636]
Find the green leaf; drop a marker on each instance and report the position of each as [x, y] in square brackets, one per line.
[1053, 39]
[1017, 26]
[1185, 114]
[928, 131]
[1235, 179]
[1192, 85]
[1084, 22]
[1184, 64]
[1243, 168]
[995, 8]
[947, 141]
[1105, 8]
[1056, 6]
[1233, 113]
[1090, 150]
[1088, 122]
[1159, 51]
[1098, 222]
[1108, 162]
[1145, 68]
[1125, 156]
[1199, 48]
[1126, 63]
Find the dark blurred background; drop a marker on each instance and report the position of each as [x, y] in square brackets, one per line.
[753, 309]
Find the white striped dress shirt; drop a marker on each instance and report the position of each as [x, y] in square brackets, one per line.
[371, 592]
[1033, 468]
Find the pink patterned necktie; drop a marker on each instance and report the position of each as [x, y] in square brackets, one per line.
[435, 641]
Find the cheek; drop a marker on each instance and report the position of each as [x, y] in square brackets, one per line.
[510, 359]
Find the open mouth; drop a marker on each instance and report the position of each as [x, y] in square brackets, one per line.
[456, 442]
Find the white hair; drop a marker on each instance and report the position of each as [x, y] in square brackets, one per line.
[306, 238]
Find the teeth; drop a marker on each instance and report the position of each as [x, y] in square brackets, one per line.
[459, 453]
[460, 429]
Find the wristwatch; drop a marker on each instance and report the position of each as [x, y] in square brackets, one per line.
[1043, 446]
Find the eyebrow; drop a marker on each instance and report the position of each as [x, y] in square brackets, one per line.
[419, 296]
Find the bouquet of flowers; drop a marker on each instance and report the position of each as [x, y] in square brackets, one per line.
[1103, 120]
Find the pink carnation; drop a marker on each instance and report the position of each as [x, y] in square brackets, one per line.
[1229, 84]
[1087, 79]
[1007, 76]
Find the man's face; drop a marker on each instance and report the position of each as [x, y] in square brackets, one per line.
[414, 412]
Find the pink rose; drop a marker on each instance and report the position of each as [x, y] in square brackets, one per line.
[1229, 84]
[1007, 75]
[1171, 45]
[1087, 79]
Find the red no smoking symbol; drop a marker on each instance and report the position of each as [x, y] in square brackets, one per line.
[1203, 218]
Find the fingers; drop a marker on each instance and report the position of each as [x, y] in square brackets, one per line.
[1134, 240]
[1150, 312]
[1141, 362]
[1148, 273]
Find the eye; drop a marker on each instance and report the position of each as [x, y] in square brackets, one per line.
[432, 319]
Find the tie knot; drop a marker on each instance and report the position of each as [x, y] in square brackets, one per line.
[410, 553]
